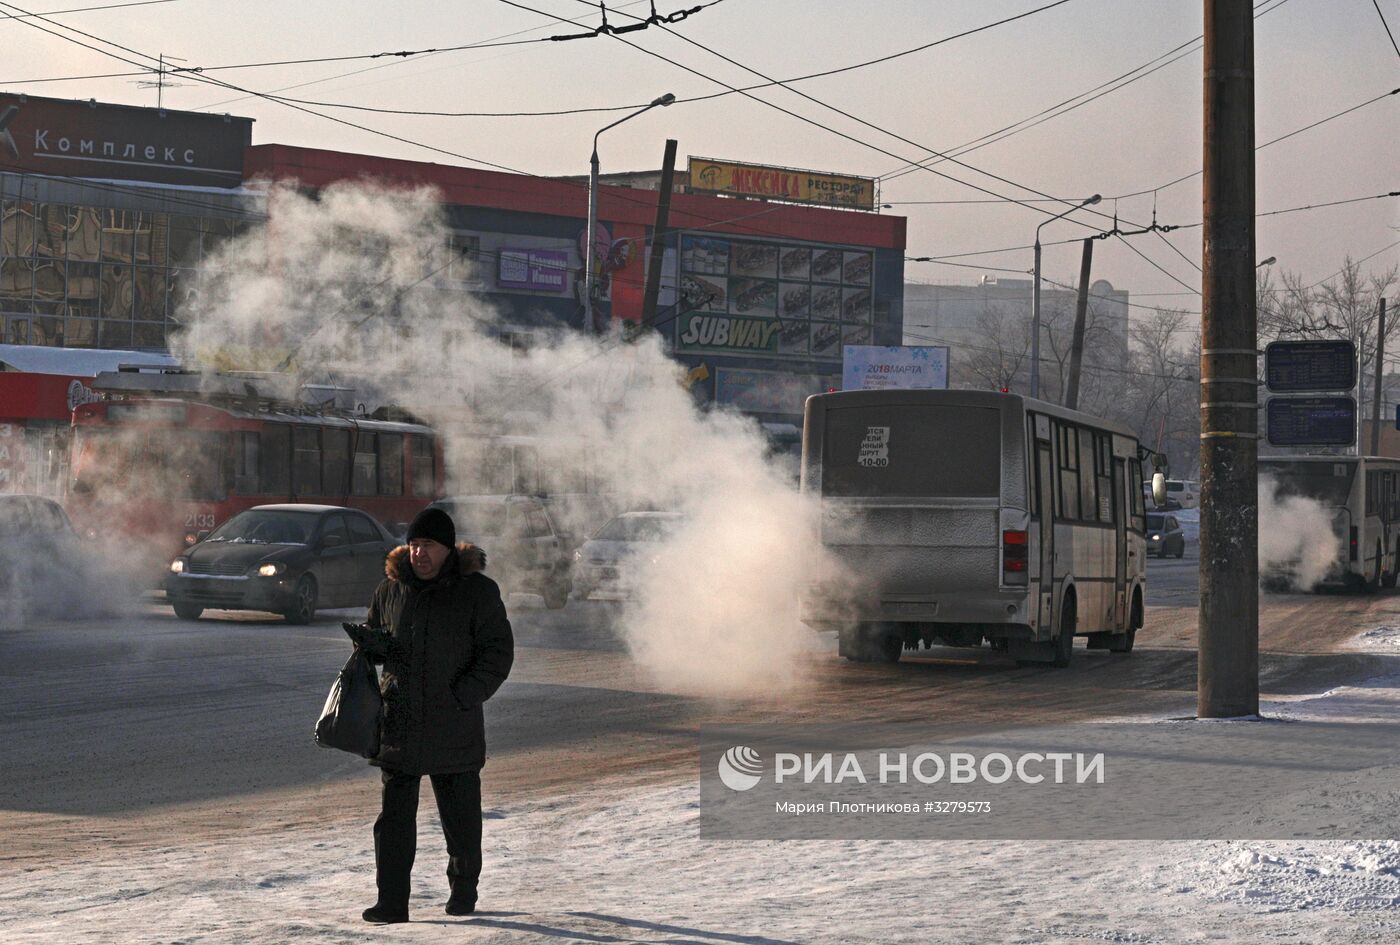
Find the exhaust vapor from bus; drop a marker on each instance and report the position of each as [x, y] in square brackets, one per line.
[345, 290]
[1299, 546]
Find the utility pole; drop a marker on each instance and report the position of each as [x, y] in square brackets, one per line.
[658, 236]
[1228, 662]
[1376, 394]
[1081, 311]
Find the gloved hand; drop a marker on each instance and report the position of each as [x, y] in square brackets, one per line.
[359, 633]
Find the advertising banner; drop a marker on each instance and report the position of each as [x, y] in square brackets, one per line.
[766, 298]
[538, 270]
[909, 367]
[781, 183]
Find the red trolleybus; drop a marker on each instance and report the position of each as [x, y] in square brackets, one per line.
[157, 473]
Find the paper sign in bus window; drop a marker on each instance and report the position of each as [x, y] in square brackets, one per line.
[875, 448]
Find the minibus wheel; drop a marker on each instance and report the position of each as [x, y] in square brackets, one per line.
[1123, 642]
[1064, 643]
[1373, 582]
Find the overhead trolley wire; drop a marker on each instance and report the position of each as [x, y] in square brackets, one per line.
[1087, 96]
[680, 100]
[805, 119]
[1258, 147]
[109, 6]
[1387, 27]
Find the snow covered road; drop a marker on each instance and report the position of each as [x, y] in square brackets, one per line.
[622, 864]
[162, 788]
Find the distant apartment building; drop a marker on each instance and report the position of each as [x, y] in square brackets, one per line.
[986, 325]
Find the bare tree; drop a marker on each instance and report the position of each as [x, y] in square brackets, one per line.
[1104, 350]
[1165, 387]
[1002, 351]
[1345, 306]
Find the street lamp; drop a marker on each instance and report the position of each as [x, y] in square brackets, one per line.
[1035, 298]
[590, 252]
[1266, 262]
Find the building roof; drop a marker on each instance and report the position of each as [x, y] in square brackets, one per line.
[470, 187]
[74, 362]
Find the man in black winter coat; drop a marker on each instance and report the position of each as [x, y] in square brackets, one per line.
[439, 627]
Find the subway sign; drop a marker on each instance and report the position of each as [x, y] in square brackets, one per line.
[704, 331]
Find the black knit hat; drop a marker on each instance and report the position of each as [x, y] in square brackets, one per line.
[435, 524]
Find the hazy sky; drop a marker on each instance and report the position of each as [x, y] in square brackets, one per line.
[1314, 59]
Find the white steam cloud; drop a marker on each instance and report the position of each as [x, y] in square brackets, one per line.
[347, 289]
[1297, 544]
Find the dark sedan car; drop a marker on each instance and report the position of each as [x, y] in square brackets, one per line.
[287, 559]
[1164, 536]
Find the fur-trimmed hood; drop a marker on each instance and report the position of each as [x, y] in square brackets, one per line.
[470, 559]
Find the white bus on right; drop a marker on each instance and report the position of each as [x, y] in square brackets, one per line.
[961, 517]
[1357, 496]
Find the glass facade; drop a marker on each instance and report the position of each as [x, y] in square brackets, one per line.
[81, 275]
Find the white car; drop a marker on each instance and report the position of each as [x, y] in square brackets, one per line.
[1184, 493]
[606, 564]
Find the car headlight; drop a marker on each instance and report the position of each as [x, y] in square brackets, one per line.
[272, 570]
[177, 566]
[1156, 537]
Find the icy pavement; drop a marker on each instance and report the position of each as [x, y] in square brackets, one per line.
[628, 866]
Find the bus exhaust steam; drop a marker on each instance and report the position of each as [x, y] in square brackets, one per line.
[1298, 544]
[365, 289]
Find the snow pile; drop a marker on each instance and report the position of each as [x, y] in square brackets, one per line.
[1350, 878]
[1380, 638]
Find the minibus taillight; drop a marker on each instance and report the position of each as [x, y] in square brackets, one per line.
[1353, 543]
[1014, 555]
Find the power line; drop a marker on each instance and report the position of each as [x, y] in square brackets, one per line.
[223, 84]
[1387, 27]
[694, 98]
[807, 120]
[1355, 262]
[873, 126]
[75, 78]
[354, 72]
[1296, 131]
[1181, 226]
[1074, 101]
[110, 6]
[623, 197]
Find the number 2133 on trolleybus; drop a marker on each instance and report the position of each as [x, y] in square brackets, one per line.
[963, 516]
[157, 474]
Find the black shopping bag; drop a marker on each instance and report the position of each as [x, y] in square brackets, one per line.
[350, 719]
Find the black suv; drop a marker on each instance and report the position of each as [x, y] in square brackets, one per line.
[524, 550]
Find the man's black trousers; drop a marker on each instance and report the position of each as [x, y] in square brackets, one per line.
[396, 833]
